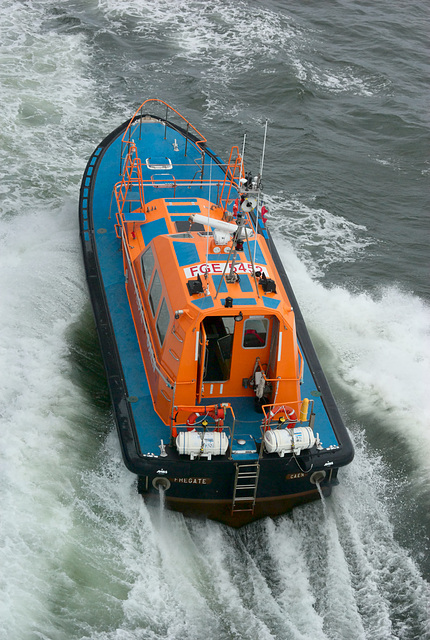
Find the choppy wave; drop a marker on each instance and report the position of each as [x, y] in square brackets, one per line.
[319, 237]
[46, 95]
[227, 41]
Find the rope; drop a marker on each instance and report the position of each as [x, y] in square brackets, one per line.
[302, 470]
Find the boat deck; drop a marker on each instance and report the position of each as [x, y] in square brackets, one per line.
[150, 428]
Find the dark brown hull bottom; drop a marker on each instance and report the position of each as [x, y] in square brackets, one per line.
[220, 510]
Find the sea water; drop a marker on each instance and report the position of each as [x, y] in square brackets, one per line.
[343, 86]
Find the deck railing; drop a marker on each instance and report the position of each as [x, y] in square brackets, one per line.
[134, 128]
[131, 167]
[204, 422]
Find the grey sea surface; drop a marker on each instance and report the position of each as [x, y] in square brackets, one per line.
[344, 87]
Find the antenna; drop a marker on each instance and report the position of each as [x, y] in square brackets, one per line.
[207, 235]
[263, 153]
[243, 153]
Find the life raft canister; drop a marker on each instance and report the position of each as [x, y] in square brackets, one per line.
[282, 441]
[218, 414]
[197, 444]
[289, 413]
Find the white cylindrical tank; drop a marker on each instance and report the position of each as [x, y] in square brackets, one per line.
[282, 441]
[215, 443]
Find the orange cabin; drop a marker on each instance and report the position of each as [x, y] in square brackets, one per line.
[201, 337]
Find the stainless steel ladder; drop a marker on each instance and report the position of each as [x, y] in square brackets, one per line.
[245, 487]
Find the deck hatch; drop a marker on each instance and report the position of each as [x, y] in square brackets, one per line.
[183, 224]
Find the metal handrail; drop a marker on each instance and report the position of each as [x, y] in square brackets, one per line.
[128, 144]
[201, 409]
[294, 404]
[231, 169]
[181, 182]
[153, 355]
[265, 423]
[202, 140]
[132, 167]
[279, 379]
[127, 137]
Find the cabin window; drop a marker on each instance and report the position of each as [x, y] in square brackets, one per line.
[184, 225]
[147, 266]
[181, 236]
[255, 331]
[163, 321]
[155, 293]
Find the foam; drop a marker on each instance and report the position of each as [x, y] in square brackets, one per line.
[195, 575]
[303, 575]
[319, 237]
[204, 37]
[379, 347]
[38, 409]
[42, 292]
[356, 584]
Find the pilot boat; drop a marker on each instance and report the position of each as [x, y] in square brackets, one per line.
[219, 399]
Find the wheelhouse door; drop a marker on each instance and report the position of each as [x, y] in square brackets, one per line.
[217, 334]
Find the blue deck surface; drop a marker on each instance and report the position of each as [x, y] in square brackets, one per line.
[150, 429]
